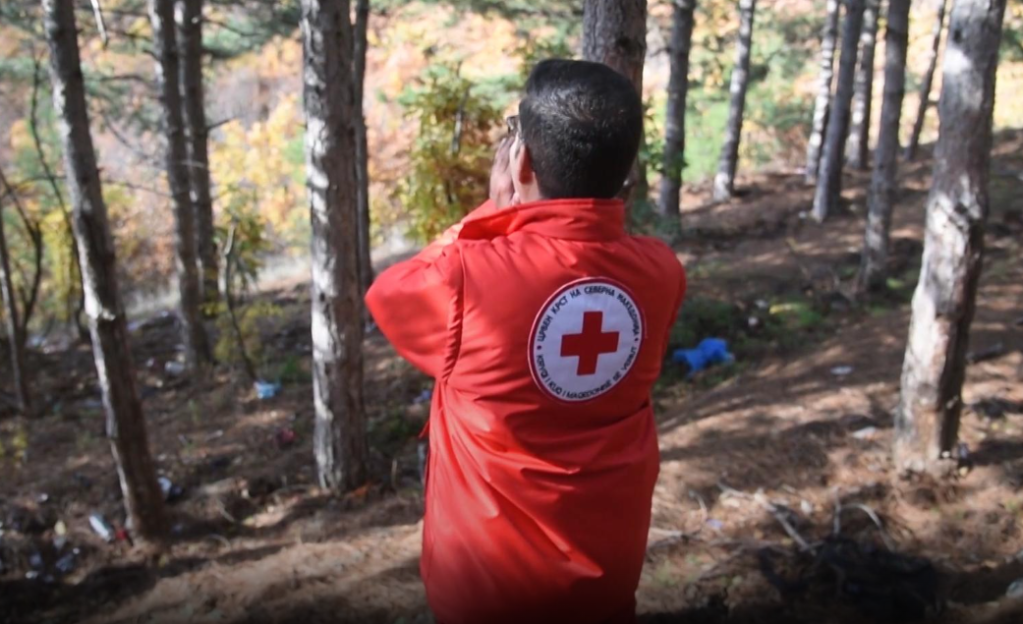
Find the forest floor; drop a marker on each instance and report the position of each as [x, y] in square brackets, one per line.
[799, 425]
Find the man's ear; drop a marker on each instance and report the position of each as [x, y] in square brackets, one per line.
[522, 167]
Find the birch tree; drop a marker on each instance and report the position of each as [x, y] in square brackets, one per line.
[858, 146]
[822, 103]
[724, 181]
[883, 186]
[675, 116]
[927, 81]
[125, 424]
[829, 183]
[927, 419]
[328, 97]
[197, 350]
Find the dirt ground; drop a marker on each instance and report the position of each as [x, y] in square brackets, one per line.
[755, 458]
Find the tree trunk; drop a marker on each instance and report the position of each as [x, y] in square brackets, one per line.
[829, 184]
[927, 420]
[189, 19]
[197, 351]
[126, 426]
[928, 80]
[724, 181]
[361, 146]
[14, 329]
[340, 434]
[883, 183]
[822, 104]
[857, 148]
[675, 115]
[614, 33]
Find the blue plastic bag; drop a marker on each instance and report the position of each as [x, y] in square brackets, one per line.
[709, 351]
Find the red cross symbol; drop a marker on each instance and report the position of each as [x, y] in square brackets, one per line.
[589, 345]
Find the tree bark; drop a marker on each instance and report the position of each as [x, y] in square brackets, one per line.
[927, 420]
[126, 425]
[829, 184]
[857, 148]
[14, 329]
[822, 104]
[340, 433]
[883, 183]
[724, 181]
[675, 115]
[614, 33]
[927, 82]
[361, 145]
[197, 351]
[189, 21]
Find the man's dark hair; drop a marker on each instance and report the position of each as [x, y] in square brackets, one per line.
[582, 123]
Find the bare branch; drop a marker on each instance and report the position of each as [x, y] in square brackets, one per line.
[101, 26]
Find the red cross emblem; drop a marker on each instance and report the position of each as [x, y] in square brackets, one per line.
[590, 344]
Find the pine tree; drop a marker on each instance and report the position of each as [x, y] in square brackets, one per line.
[361, 146]
[12, 317]
[614, 33]
[724, 181]
[829, 184]
[858, 146]
[883, 180]
[675, 115]
[189, 20]
[168, 60]
[328, 93]
[927, 81]
[126, 426]
[927, 419]
[822, 104]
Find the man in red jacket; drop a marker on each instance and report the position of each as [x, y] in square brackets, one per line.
[545, 326]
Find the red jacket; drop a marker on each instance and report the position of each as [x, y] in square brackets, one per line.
[545, 326]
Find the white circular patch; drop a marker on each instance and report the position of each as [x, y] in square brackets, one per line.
[585, 340]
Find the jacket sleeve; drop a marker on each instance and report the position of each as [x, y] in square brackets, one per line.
[418, 305]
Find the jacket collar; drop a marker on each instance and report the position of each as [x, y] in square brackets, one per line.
[567, 219]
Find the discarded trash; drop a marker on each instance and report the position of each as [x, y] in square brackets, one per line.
[423, 397]
[171, 492]
[715, 524]
[841, 371]
[709, 351]
[753, 322]
[102, 528]
[867, 433]
[422, 454]
[44, 498]
[221, 462]
[989, 353]
[173, 367]
[1015, 590]
[266, 389]
[806, 507]
[285, 437]
[66, 564]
